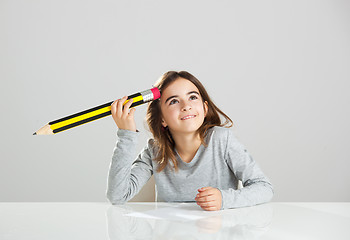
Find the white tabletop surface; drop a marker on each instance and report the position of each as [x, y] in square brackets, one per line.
[100, 221]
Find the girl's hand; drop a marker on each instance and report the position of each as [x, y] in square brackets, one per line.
[209, 198]
[123, 117]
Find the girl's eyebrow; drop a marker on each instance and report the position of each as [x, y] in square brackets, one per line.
[178, 96]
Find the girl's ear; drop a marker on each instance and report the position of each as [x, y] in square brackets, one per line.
[205, 105]
[164, 123]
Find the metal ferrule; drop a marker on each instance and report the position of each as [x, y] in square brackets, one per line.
[147, 95]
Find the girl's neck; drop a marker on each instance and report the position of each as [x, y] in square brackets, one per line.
[187, 145]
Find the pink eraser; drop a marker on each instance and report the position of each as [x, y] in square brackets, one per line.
[156, 93]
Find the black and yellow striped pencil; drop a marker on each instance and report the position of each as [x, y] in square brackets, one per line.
[95, 113]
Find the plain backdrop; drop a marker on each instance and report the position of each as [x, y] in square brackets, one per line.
[279, 69]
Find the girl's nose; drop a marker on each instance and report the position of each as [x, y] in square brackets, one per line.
[186, 108]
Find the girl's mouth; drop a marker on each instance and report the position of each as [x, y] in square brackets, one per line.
[188, 117]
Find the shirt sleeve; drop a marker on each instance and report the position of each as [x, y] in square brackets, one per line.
[256, 189]
[126, 175]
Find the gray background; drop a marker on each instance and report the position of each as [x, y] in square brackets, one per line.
[279, 69]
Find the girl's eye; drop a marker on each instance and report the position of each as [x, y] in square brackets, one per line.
[193, 97]
[173, 102]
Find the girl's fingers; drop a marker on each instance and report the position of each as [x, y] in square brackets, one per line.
[122, 115]
[208, 206]
[207, 203]
[126, 107]
[205, 193]
[120, 106]
[204, 189]
[131, 113]
[211, 208]
[114, 107]
[209, 198]
[205, 198]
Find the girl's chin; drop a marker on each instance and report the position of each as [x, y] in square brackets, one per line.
[188, 129]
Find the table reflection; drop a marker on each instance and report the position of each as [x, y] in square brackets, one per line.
[241, 223]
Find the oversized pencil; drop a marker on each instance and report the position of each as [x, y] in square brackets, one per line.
[95, 113]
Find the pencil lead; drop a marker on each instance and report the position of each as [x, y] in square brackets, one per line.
[34, 133]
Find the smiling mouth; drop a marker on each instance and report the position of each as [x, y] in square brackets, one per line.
[188, 117]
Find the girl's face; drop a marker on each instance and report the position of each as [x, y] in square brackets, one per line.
[182, 108]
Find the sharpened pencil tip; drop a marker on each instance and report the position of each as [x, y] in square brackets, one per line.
[34, 133]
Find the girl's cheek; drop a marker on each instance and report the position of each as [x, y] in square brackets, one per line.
[171, 113]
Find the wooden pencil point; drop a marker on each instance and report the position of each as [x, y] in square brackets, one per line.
[45, 130]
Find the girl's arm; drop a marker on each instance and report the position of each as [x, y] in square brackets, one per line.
[126, 177]
[256, 189]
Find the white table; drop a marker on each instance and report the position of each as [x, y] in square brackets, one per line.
[100, 221]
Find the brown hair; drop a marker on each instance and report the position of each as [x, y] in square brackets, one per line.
[163, 139]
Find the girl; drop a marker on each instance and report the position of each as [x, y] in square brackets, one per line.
[193, 156]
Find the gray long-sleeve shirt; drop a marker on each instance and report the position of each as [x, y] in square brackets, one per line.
[221, 164]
